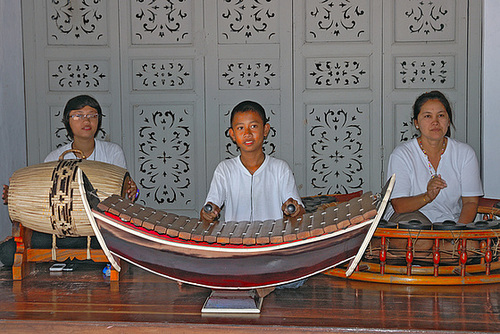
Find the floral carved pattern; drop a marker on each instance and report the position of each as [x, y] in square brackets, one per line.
[340, 20]
[81, 21]
[161, 21]
[407, 131]
[78, 75]
[425, 20]
[164, 155]
[336, 149]
[337, 73]
[162, 74]
[248, 21]
[249, 75]
[425, 72]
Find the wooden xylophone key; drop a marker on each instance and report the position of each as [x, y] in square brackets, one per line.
[118, 206]
[331, 219]
[165, 223]
[265, 232]
[202, 229]
[304, 228]
[140, 217]
[318, 223]
[251, 234]
[369, 206]
[343, 216]
[152, 219]
[130, 212]
[291, 228]
[239, 232]
[105, 204]
[214, 231]
[276, 236]
[186, 231]
[355, 211]
[176, 226]
[226, 233]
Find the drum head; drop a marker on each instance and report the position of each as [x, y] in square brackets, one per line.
[414, 225]
[387, 224]
[484, 225]
[448, 225]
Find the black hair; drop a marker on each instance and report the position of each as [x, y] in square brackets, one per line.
[433, 95]
[79, 102]
[249, 106]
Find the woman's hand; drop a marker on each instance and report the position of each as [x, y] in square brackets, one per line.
[209, 212]
[5, 194]
[436, 183]
[299, 209]
[132, 191]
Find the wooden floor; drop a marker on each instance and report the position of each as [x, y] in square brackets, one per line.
[84, 301]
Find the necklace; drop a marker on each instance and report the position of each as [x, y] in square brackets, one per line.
[431, 169]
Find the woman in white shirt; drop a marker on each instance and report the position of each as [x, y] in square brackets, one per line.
[437, 178]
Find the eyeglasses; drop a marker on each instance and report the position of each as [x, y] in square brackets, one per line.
[81, 117]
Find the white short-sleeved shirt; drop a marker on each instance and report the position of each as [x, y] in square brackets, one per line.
[458, 167]
[104, 151]
[256, 197]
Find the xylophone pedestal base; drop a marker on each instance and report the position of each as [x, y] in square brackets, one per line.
[233, 301]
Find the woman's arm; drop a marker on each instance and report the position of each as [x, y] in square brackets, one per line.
[410, 204]
[469, 209]
[414, 203]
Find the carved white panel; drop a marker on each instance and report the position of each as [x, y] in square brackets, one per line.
[91, 75]
[165, 167]
[351, 72]
[58, 131]
[405, 130]
[425, 72]
[77, 22]
[249, 74]
[271, 143]
[337, 20]
[248, 21]
[161, 22]
[338, 148]
[164, 74]
[424, 21]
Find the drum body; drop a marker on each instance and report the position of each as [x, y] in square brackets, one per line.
[447, 253]
[46, 197]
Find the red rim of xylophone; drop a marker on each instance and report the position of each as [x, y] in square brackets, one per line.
[416, 253]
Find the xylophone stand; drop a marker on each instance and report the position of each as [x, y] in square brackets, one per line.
[235, 301]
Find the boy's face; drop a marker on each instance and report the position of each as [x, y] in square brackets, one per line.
[248, 131]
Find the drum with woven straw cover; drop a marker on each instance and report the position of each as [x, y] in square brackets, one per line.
[46, 197]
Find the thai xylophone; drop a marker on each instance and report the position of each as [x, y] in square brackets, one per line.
[237, 255]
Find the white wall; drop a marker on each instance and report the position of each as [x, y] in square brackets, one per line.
[491, 99]
[12, 120]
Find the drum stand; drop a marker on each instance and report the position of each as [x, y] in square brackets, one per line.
[235, 301]
[25, 256]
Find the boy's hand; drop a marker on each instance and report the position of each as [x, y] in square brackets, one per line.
[209, 215]
[299, 209]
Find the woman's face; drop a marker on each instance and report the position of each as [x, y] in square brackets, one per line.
[84, 122]
[433, 120]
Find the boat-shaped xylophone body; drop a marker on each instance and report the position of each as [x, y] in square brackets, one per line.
[235, 255]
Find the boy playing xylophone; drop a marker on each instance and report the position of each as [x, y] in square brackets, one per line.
[253, 186]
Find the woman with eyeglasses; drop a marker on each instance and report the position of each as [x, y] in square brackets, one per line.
[82, 118]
